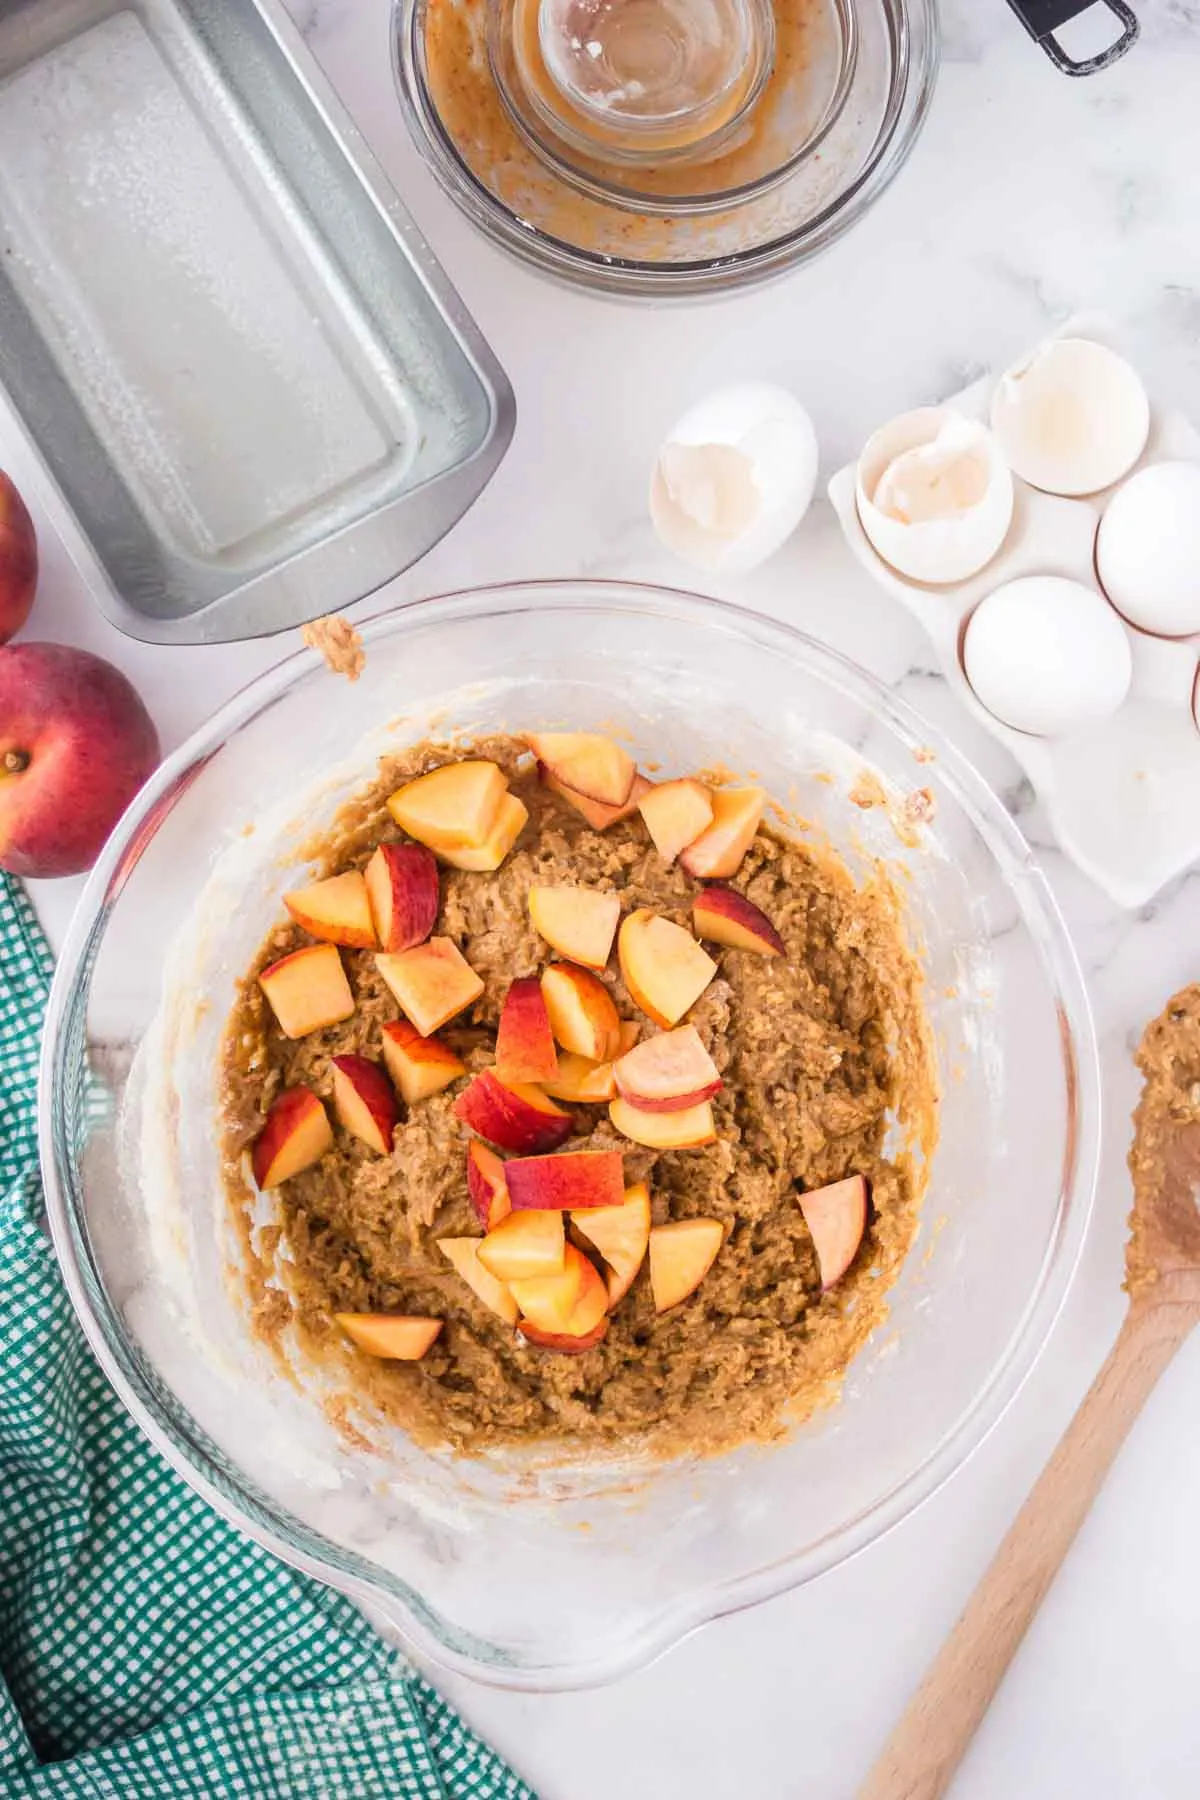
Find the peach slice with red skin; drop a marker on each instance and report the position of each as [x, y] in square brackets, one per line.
[524, 1041]
[837, 1217]
[587, 1315]
[486, 1185]
[524, 1246]
[686, 1130]
[364, 1101]
[402, 885]
[662, 965]
[564, 1183]
[598, 816]
[621, 1234]
[718, 852]
[583, 1014]
[724, 916]
[562, 1342]
[397, 1337]
[668, 1072]
[308, 990]
[681, 1254]
[451, 808]
[487, 856]
[419, 1066]
[675, 815]
[337, 911]
[548, 1301]
[580, 923]
[513, 1115]
[431, 983]
[463, 1253]
[587, 763]
[295, 1134]
[581, 1081]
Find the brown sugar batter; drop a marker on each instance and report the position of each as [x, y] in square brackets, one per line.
[828, 1071]
[1165, 1158]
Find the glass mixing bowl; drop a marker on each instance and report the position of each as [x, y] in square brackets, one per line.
[527, 1570]
[846, 100]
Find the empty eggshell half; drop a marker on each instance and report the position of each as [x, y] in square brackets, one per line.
[1072, 418]
[734, 477]
[935, 495]
[1148, 549]
[1047, 655]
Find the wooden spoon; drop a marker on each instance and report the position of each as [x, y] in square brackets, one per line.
[1162, 1278]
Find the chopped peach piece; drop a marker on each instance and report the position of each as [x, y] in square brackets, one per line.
[463, 1253]
[486, 1185]
[587, 763]
[580, 923]
[295, 1134]
[737, 814]
[586, 1315]
[676, 813]
[724, 916]
[621, 1234]
[524, 1041]
[431, 983]
[308, 990]
[686, 1130]
[663, 967]
[515, 1115]
[668, 1072]
[548, 1301]
[524, 1245]
[402, 884]
[451, 808]
[364, 1101]
[581, 1081]
[837, 1218]
[583, 1014]
[577, 1178]
[598, 816]
[419, 1066]
[336, 910]
[564, 1342]
[681, 1254]
[510, 822]
[395, 1336]
[631, 1031]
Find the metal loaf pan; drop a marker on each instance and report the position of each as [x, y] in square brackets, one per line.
[253, 391]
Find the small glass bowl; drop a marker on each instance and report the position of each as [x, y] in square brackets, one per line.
[536, 1571]
[831, 130]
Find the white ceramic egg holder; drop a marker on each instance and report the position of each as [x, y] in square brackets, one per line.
[1123, 795]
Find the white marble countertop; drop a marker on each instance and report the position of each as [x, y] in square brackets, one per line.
[1029, 197]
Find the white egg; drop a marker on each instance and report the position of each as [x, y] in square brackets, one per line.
[1148, 549]
[1047, 655]
[935, 495]
[734, 477]
[1072, 418]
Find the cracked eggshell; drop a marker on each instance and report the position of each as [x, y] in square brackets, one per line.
[935, 495]
[1072, 418]
[734, 477]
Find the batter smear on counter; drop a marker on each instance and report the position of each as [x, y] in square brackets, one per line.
[680, 1235]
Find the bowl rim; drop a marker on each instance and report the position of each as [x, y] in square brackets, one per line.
[917, 51]
[189, 1452]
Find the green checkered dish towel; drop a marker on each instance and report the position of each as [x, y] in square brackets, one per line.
[149, 1651]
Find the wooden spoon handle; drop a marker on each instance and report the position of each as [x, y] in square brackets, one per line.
[928, 1744]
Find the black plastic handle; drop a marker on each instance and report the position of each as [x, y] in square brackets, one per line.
[1042, 19]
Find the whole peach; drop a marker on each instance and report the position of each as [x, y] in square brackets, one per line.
[76, 744]
[18, 560]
